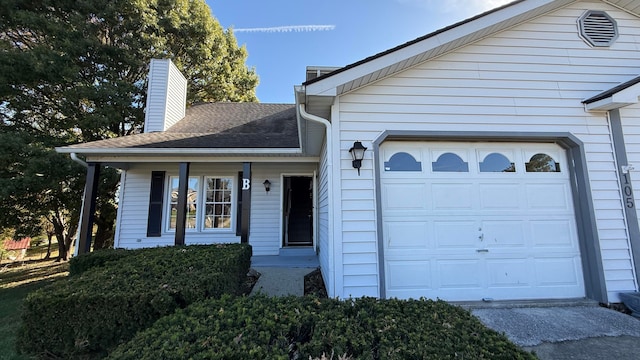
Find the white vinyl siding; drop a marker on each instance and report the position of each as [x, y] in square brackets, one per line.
[265, 228]
[324, 256]
[531, 78]
[166, 96]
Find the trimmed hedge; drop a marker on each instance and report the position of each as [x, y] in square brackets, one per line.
[83, 262]
[89, 314]
[299, 328]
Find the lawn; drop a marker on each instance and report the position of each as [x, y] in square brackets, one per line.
[16, 281]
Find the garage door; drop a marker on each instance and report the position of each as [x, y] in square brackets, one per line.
[473, 221]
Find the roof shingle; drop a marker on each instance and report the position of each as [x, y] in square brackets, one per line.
[218, 125]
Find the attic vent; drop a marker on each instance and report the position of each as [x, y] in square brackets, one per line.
[597, 28]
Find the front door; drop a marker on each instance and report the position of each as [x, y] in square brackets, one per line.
[297, 211]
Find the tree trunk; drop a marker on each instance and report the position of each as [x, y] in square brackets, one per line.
[104, 233]
[49, 238]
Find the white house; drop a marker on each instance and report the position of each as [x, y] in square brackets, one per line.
[499, 162]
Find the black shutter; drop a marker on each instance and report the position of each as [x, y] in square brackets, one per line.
[239, 206]
[156, 197]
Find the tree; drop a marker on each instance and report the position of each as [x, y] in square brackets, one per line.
[75, 71]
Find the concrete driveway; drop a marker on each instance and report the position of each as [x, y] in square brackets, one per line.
[567, 332]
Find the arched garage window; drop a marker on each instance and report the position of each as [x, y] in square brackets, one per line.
[496, 162]
[450, 162]
[542, 163]
[402, 162]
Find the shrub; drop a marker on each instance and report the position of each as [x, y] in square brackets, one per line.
[104, 306]
[83, 262]
[258, 327]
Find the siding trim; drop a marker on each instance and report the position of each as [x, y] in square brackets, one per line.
[620, 151]
[592, 266]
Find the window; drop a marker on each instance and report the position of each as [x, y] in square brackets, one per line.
[542, 163]
[213, 194]
[496, 162]
[450, 162]
[217, 203]
[402, 161]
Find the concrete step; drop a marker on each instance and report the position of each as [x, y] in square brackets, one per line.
[298, 251]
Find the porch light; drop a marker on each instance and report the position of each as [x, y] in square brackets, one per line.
[267, 185]
[357, 154]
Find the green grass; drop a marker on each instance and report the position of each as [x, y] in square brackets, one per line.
[16, 281]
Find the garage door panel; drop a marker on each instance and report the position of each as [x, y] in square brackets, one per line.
[503, 233]
[459, 273]
[556, 271]
[405, 196]
[501, 196]
[409, 274]
[455, 233]
[553, 233]
[548, 196]
[406, 234]
[447, 196]
[513, 272]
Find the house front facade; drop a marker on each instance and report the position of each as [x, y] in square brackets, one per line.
[499, 162]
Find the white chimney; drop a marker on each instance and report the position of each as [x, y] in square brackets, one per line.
[166, 96]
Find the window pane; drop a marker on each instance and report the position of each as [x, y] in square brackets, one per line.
[542, 163]
[450, 162]
[496, 162]
[218, 203]
[192, 201]
[402, 162]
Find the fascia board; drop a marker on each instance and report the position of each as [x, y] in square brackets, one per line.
[200, 159]
[175, 151]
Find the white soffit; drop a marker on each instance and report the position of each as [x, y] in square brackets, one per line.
[441, 42]
[620, 99]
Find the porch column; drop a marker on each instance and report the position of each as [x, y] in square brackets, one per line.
[246, 202]
[88, 207]
[183, 190]
[624, 174]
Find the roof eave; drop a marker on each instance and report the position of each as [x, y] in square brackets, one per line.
[608, 100]
[177, 151]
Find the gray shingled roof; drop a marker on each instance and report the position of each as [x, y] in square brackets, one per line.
[217, 125]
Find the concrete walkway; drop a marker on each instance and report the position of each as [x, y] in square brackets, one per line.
[280, 281]
[567, 332]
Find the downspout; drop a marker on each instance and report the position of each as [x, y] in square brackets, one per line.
[75, 158]
[327, 126]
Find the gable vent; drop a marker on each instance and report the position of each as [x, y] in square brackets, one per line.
[597, 28]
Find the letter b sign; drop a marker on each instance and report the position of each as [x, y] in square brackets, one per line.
[246, 184]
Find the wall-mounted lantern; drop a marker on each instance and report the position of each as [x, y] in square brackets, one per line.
[267, 185]
[357, 154]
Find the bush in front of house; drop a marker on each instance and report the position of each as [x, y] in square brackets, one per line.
[83, 262]
[258, 327]
[89, 314]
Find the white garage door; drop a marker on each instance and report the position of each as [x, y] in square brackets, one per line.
[472, 221]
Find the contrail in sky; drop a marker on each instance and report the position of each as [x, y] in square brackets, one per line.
[292, 28]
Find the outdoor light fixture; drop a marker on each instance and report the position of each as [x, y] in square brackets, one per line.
[357, 154]
[267, 185]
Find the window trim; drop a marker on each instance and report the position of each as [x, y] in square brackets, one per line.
[200, 204]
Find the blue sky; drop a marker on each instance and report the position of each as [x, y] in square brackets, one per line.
[283, 37]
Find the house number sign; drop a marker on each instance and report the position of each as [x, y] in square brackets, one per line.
[246, 184]
[627, 191]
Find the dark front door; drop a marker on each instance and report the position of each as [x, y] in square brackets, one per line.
[298, 211]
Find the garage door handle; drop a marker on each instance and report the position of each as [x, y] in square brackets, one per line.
[482, 250]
